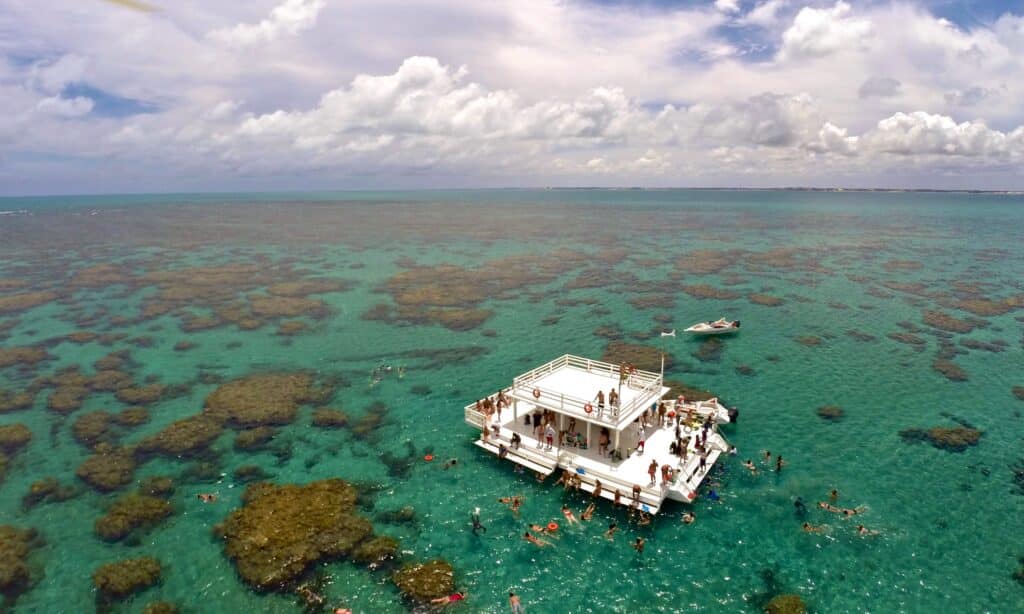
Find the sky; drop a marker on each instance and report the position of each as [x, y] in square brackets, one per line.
[105, 96]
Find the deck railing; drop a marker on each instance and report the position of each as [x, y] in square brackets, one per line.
[647, 382]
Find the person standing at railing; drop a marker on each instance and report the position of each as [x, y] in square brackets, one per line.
[600, 402]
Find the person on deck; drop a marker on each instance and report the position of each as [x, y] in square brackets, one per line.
[652, 470]
[600, 402]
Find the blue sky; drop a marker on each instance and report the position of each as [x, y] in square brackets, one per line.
[100, 96]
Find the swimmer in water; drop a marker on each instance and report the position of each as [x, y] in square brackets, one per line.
[810, 528]
[569, 516]
[833, 495]
[448, 464]
[767, 456]
[864, 531]
[207, 497]
[848, 513]
[475, 518]
[612, 530]
[517, 502]
[456, 596]
[588, 513]
[638, 545]
[750, 466]
[540, 543]
[689, 517]
[643, 519]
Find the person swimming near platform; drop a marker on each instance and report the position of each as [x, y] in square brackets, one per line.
[689, 517]
[612, 530]
[638, 545]
[569, 516]
[810, 528]
[643, 519]
[864, 531]
[750, 466]
[589, 512]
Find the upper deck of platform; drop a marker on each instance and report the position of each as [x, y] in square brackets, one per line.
[568, 384]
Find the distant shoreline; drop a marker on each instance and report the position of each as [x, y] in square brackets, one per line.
[286, 193]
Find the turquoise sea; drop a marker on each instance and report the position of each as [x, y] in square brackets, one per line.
[904, 310]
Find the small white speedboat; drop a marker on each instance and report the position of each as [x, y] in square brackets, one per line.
[718, 327]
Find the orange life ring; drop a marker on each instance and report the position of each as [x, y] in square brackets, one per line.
[552, 526]
[428, 457]
[536, 393]
[588, 408]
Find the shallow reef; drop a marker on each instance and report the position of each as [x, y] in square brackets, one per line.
[643, 356]
[108, 469]
[15, 573]
[15, 401]
[832, 413]
[255, 438]
[703, 291]
[20, 302]
[710, 350]
[263, 400]
[282, 531]
[1018, 391]
[22, 356]
[907, 338]
[953, 439]
[130, 513]
[946, 322]
[325, 417]
[124, 578]
[183, 437]
[786, 604]
[950, 370]
[809, 340]
[421, 582]
[47, 490]
[690, 393]
[765, 299]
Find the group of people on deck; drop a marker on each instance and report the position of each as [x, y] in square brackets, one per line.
[613, 401]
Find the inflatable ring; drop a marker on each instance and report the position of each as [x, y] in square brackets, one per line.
[536, 393]
[552, 526]
[588, 408]
[428, 457]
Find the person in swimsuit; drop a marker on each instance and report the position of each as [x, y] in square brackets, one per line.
[689, 517]
[588, 513]
[643, 519]
[206, 497]
[456, 596]
[750, 466]
[652, 470]
[864, 531]
[516, 503]
[618, 497]
[475, 519]
[569, 516]
[597, 489]
[638, 545]
[810, 528]
[514, 603]
[833, 495]
[540, 543]
[779, 463]
[612, 529]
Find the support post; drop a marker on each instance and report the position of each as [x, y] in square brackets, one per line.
[617, 432]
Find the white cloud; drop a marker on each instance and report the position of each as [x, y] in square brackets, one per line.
[52, 77]
[65, 107]
[833, 139]
[289, 18]
[765, 14]
[820, 32]
[728, 6]
[924, 133]
[879, 87]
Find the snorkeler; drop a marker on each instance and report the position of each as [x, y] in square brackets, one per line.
[475, 518]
